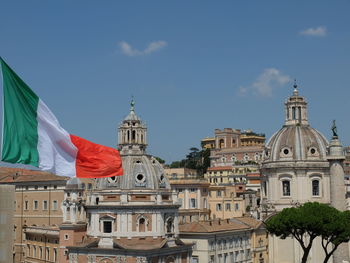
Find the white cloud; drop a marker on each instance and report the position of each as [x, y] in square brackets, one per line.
[320, 31]
[128, 50]
[264, 85]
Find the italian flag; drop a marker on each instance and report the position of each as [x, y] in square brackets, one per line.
[32, 135]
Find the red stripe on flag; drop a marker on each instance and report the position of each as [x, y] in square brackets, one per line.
[96, 161]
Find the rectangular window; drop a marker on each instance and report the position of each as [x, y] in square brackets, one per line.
[36, 205]
[193, 203]
[315, 188]
[286, 188]
[218, 193]
[45, 205]
[54, 205]
[236, 207]
[107, 227]
[26, 205]
[193, 189]
[228, 207]
[218, 207]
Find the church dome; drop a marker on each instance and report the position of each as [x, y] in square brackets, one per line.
[296, 140]
[141, 171]
[296, 143]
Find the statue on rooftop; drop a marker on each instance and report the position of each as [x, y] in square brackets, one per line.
[334, 130]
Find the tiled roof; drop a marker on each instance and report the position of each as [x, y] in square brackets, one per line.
[147, 243]
[250, 221]
[213, 226]
[12, 175]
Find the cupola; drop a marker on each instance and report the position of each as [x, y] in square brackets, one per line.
[296, 109]
[132, 134]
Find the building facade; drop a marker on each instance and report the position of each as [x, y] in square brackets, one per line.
[38, 197]
[224, 202]
[193, 195]
[231, 147]
[223, 241]
[300, 166]
[131, 218]
[7, 197]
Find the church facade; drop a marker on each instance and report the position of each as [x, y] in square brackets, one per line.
[130, 218]
[300, 166]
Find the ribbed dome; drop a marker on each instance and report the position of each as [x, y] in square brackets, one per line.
[132, 116]
[140, 172]
[296, 142]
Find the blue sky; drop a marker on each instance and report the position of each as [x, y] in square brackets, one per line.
[192, 66]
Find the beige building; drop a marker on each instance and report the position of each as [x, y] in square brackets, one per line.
[231, 147]
[180, 173]
[38, 213]
[37, 208]
[223, 241]
[193, 196]
[239, 174]
[7, 199]
[224, 202]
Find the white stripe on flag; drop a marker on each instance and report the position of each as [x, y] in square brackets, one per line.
[57, 153]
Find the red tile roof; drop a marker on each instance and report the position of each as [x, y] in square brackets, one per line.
[213, 226]
[12, 175]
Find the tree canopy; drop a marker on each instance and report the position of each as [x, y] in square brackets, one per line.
[308, 221]
[196, 159]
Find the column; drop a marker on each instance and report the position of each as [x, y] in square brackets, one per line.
[154, 223]
[186, 199]
[199, 203]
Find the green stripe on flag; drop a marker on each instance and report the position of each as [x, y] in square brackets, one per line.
[20, 126]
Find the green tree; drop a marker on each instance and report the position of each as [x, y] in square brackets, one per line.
[336, 230]
[308, 221]
[195, 159]
[304, 223]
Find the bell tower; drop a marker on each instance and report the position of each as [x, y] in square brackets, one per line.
[296, 109]
[132, 134]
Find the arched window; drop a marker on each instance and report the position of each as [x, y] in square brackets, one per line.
[315, 187]
[286, 188]
[133, 136]
[293, 113]
[142, 224]
[169, 226]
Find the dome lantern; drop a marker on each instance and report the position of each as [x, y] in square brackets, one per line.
[132, 134]
[296, 109]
